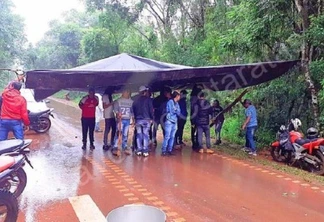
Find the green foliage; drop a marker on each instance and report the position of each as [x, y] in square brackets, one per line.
[97, 44]
[196, 33]
[12, 39]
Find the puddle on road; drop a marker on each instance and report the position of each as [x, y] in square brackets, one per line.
[55, 177]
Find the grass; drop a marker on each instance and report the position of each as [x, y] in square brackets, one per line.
[74, 96]
[231, 148]
[232, 136]
[265, 160]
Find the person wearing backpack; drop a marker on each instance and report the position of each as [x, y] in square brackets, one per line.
[170, 124]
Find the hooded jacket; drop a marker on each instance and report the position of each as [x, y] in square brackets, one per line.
[202, 110]
[14, 106]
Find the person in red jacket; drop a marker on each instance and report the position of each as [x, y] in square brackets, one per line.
[88, 106]
[13, 112]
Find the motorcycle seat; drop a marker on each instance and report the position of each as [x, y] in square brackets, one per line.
[6, 162]
[304, 141]
[7, 146]
[39, 113]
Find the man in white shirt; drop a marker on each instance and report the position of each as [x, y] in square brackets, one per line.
[124, 113]
[110, 121]
[99, 110]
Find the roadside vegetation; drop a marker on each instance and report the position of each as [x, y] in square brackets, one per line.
[194, 33]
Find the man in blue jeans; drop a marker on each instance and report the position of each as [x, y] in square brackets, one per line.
[202, 112]
[250, 125]
[124, 112]
[13, 112]
[173, 111]
[143, 113]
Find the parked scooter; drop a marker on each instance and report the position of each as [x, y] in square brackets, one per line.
[292, 148]
[13, 177]
[40, 121]
[8, 205]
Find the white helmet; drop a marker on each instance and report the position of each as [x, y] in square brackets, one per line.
[296, 123]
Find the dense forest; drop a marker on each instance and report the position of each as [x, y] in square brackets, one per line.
[194, 33]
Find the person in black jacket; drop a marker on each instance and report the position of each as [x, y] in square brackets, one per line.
[159, 105]
[196, 90]
[143, 113]
[182, 118]
[217, 112]
[203, 110]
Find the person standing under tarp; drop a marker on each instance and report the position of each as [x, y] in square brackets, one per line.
[218, 121]
[170, 125]
[13, 112]
[250, 126]
[159, 104]
[88, 106]
[203, 110]
[143, 113]
[110, 121]
[182, 119]
[193, 100]
[124, 112]
[134, 141]
[99, 113]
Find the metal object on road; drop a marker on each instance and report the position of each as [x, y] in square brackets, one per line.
[136, 213]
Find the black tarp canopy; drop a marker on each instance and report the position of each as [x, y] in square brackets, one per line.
[125, 70]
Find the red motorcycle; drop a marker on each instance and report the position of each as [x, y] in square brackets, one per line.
[292, 148]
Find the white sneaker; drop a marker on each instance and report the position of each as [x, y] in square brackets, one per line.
[138, 153]
[245, 149]
[146, 154]
[253, 153]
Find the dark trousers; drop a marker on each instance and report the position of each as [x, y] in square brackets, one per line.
[88, 124]
[110, 124]
[194, 137]
[156, 124]
[179, 133]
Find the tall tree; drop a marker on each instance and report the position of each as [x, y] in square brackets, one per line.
[12, 38]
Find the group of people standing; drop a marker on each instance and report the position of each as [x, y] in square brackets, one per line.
[146, 114]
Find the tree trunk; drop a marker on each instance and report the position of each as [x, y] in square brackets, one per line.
[306, 50]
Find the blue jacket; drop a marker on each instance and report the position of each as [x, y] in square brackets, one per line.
[172, 111]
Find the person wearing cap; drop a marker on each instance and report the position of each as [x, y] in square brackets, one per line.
[203, 110]
[124, 113]
[143, 114]
[250, 126]
[182, 118]
[217, 113]
[88, 106]
[159, 105]
[13, 112]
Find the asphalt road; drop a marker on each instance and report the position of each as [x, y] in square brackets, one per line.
[69, 184]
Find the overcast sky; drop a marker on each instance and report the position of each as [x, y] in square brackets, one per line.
[37, 14]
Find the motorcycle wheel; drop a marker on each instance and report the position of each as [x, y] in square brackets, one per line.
[278, 155]
[15, 184]
[8, 206]
[319, 170]
[43, 124]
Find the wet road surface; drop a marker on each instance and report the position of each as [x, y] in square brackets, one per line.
[188, 186]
